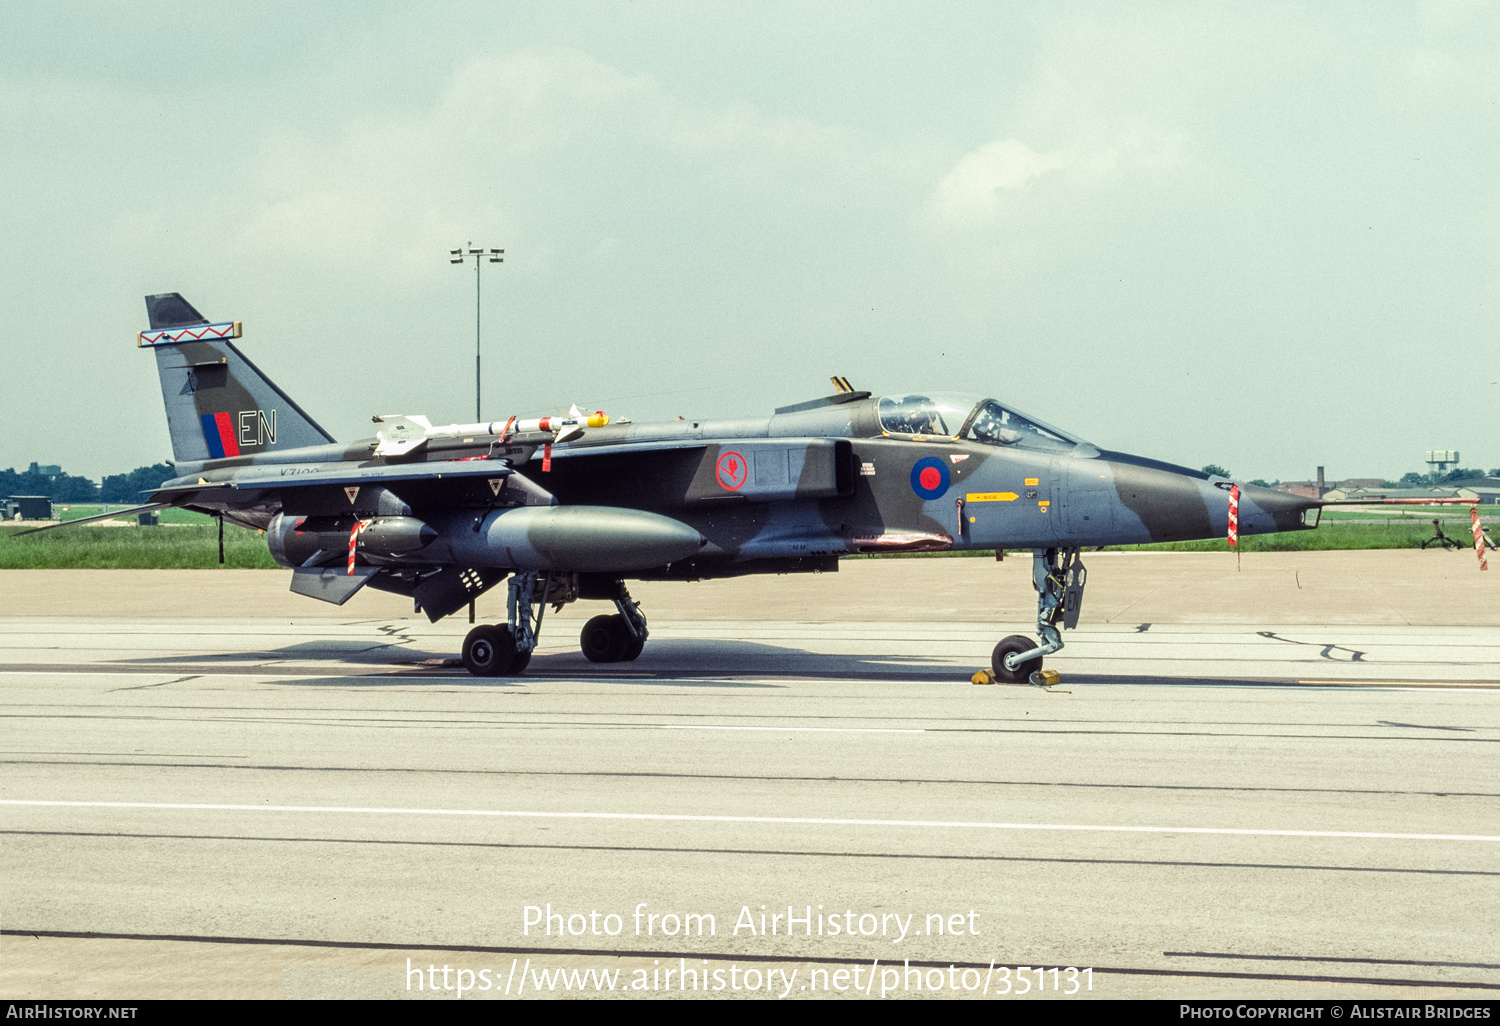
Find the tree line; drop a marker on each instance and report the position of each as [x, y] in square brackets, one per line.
[1412, 479]
[132, 487]
[62, 487]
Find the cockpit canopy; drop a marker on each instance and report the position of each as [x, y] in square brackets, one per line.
[955, 415]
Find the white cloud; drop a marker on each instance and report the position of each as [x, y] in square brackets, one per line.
[1276, 179]
[522, 138]
[974, 191]
[969, 192]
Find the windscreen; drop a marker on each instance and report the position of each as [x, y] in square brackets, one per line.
[994, 424]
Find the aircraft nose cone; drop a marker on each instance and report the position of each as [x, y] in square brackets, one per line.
[1264, 510]
[1273, 501]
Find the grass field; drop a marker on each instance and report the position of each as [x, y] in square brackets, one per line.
[1402, 534]
[1340, 529]
[191, 542]
[188, 547]
[1443, 513]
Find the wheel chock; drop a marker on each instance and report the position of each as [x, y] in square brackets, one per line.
[1045, 679]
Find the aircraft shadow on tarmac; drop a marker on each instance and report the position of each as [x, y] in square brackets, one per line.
[665, 662]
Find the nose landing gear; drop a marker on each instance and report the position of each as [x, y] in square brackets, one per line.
[1058, 576]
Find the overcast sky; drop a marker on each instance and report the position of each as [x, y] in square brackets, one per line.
[1262, 235]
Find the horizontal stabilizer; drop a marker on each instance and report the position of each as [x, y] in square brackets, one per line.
[132, 511]
[331, 584]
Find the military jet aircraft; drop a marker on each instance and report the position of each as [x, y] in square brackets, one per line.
[568, 508]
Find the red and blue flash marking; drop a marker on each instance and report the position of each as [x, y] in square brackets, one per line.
[218, 432]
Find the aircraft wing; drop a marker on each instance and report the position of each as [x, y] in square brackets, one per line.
[298, 475]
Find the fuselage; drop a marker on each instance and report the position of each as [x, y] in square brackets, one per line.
[810, 483]
[570, 507]
[909, 490]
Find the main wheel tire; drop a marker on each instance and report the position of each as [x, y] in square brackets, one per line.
[635, 647]
[519, 663]
[605, 639]
[1014, 643]
[488, 651]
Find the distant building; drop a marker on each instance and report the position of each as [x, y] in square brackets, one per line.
[28, 507]
[1485, 490]
[1350, 483]
[1306, 489]
[1435, 492]
[50, 472]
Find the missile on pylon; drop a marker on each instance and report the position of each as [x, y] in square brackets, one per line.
[399, 434]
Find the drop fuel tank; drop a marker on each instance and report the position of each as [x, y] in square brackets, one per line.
[590, 539]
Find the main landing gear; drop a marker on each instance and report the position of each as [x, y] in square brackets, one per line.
[1058, 576]
[615, 638]
[505, 649]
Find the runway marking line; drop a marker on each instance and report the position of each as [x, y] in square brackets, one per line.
[708, 955]
[785, 820]
[819, 730]
[1410, 683]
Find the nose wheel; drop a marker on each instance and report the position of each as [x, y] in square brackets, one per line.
[1058, 576]
[1013, 645]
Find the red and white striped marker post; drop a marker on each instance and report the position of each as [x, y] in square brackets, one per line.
[1234, 522]
[359, 525]
[1478, 537]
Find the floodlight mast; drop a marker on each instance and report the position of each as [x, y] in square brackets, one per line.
[495, 256]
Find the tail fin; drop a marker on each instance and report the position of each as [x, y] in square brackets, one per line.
[219, 404]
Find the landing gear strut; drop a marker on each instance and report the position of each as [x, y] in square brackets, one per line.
[1058, 576]
[615, 638]
[505, 649]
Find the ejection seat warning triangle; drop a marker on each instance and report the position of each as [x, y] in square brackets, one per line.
[495, 484]
[352, 491]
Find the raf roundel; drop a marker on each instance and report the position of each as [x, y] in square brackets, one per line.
[929, 478]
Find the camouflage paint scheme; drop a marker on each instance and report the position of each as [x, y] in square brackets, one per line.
[682, 499]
